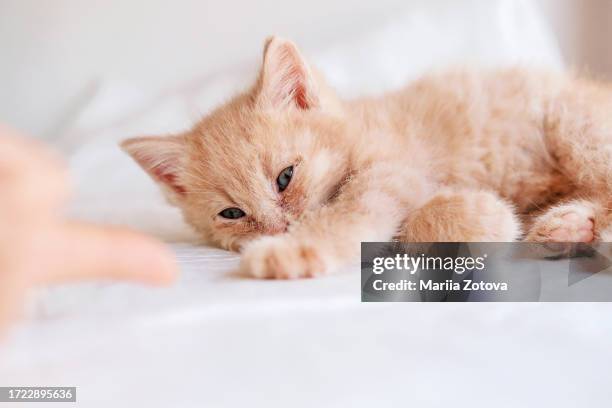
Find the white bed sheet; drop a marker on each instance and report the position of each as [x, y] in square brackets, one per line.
[218, 340]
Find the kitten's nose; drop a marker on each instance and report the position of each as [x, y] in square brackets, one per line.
[277, 228]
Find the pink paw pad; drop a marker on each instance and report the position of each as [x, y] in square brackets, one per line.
[574, 227]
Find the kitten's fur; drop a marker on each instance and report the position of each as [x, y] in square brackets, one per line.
[459, 156]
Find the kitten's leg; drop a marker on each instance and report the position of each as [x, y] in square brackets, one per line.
[370, 207]
[574, 221]
[462, 216]
[578, 134]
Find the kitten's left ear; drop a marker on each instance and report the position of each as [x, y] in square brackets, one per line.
[285, 79]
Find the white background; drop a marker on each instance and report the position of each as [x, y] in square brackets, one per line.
[53, 54]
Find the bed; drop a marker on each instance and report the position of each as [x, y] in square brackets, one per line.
[216, 339]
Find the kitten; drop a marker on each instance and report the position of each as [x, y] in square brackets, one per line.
[296, 178]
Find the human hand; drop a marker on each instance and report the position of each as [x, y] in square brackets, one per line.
[39, 247]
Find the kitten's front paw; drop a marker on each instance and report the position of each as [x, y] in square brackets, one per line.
[280, 257]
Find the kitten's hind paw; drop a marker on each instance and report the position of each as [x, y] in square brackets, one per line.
[280, 257]
[573, 222]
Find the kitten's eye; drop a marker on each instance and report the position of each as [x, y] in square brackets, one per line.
[284, 178]
[232, 213]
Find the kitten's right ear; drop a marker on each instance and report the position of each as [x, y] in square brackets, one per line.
[161, 158]
[286, 79]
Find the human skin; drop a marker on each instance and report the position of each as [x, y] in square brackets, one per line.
[38, 246]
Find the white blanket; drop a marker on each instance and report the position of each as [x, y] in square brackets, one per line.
[217, 340]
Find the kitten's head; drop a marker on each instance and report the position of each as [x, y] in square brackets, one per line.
[258, 163]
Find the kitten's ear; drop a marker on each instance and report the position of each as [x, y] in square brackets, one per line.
[285, 79]
[161, 158]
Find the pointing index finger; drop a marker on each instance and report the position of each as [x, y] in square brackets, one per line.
[83, 251]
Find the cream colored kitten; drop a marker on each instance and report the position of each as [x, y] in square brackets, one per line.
[296, 178]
